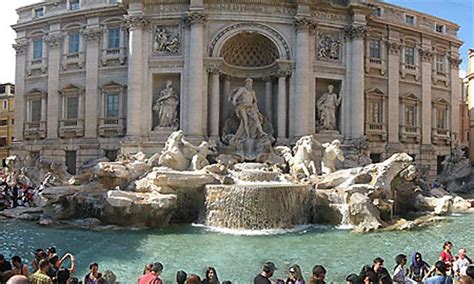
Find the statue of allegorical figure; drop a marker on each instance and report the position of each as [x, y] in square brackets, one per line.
[166, 106]
[251, 120]
[326, 107]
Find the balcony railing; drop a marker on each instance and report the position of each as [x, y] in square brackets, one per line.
[35, 130]
[111, 54]
[71, 128]
[111, 126]
[410, 132]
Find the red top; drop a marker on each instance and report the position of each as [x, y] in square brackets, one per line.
[446, 258]
[149, 278]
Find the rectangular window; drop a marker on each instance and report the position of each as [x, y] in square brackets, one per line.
[71, 162]
[113, 105]
[74, 5]
[38, 49]
[409, 19]
[73, 43]
[13, 122]
[377, 12]
[442, 119]
[439, 28]
[374, 48]
[114, 38]
[3, 122]
[5, 104]
[440, 63]
[72, 107]
[410, 55]
[36, 110]
[376, 111]
[3, 141]
[3, 89]
[410, 115]
[39, 12]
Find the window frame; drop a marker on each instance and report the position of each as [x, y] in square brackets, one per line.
[38, 48]
[77, 42]
[113, 38]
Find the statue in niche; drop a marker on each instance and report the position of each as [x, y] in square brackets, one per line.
[165, 42]
[166, 107]
[328, 47]
[326, 108]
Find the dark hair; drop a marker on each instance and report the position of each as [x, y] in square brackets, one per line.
[378, 260]
[372, 276]
[447, 243]
[157, 267]
[93, 264]
[181, 277]
[148, 267]
[41, 255]
[209, 269]
[441, 266]
[73, 280]
[399, 259]
[16, 258]
[318, 270]
[226, 282]
[43, 263]
[353, 278]
[193, 279]
[470, 271]
[51, 249]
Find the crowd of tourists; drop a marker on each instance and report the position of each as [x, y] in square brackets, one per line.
[12, 196]
[48, 268]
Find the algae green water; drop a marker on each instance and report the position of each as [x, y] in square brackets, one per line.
[236, 257]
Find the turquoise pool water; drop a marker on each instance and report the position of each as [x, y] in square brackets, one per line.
[236, 257]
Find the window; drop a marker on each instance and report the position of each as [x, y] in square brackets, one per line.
[439, 28]
[410, 55]
[13, 122]
[38, 49]
[113, 1]
[12, 90]
[376, 111]
[111, 155]
[5, 104]
[73, 43]
[409, 19]
[410, 115]
[36, 110]
[3, 89]
[74, 5]
[442, 118]
[440, 63]
[3, 141]
[3, 122]
[71, 162]
[72, 107]
[114, 38]
[113, 105]
[377, 12]
[39, 12]
[374, 48]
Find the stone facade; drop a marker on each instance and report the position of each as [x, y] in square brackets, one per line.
[7, 120]
[88, 82]
[469, 83]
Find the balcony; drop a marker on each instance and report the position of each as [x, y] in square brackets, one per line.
[71, 128]
[410, 133]
[441, 136]
[73, 59]
[376, 131]
[37, 65]
[439, 75]
[410, 69]
[375, 63]
[113, 54]
[111, 126]
[35, 130]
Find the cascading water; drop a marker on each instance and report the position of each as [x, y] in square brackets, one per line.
[338, 201]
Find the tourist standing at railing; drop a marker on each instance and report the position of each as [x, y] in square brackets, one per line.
[152, 276]
[400, 274]
[181, 277]
[40, 276]
[461, 264]
[319, 275]
[93, 275]
[438, 275]
[383, 276]
[211, 276]
[296, 276]
[418, 268]
[266, 274]
[446, 256]
[18, 267]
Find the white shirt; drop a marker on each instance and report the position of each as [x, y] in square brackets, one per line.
[461, 265]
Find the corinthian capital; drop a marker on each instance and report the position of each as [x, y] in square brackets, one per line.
[304, 24]
[393, 46]
[92, 34]
[195, 17]
[20, 46]
[455, 62]
[355, 31]
[426, 55]
[53, 40]
[135, 21]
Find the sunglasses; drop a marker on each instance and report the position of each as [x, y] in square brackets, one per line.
[292, 271]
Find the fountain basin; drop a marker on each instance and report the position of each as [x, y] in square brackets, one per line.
[257, 206]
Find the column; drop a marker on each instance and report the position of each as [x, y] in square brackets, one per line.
[195, 97]
[21, 46]
[455, 119]
[470, 90]
[393, 108]
[268, 98]
[281, 119]
[53, 42]
[356, 33]
[44, 105]
[302, 120]
[91, 101]
[214, 103]
[426, 107]
[136, 22]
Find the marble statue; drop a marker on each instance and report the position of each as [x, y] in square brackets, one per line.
[245, 102]
[326, 107]
[165, 42]
[166, 107]
[303, 159]
[331, 153]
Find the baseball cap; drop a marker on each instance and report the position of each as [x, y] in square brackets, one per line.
[269, 266]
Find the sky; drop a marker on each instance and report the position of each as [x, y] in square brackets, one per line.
[458, 11]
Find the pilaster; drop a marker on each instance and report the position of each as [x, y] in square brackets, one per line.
[393, 47]
[21, 46]
[454, 62]
[53, 43]
[426, 57]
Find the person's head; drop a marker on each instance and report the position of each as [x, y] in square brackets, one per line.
[211, 275]
[269, 268]
[181, 277]
[378, 264]
[370, 277]
[147, 268]
[353, 279]
[38, 253]
[440, 267]
[447, 246]
[193, 279]
[462, 253]
[16, 261]
[295, 272]
[463, 280]
[2, 258]
[401, 259]
[470, 271]
[248, 83]
[157, 268]
[44, 265]
[330, 88]
[18, 279]
[51, 251]
[227, 282]
[319, 272]
[94, 269]
[417, 258]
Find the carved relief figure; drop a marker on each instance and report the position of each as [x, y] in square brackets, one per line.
[303, 159]
[166, 107]
[326, 107]
[165, 41]
[331, 153]
[245, 102]
[329, 47]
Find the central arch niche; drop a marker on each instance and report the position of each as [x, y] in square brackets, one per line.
[249, 50]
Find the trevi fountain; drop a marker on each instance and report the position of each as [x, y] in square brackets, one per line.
[238, 201]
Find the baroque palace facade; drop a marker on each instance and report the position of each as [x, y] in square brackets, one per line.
[97, 77]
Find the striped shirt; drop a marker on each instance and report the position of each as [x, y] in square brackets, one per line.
[40, 278]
